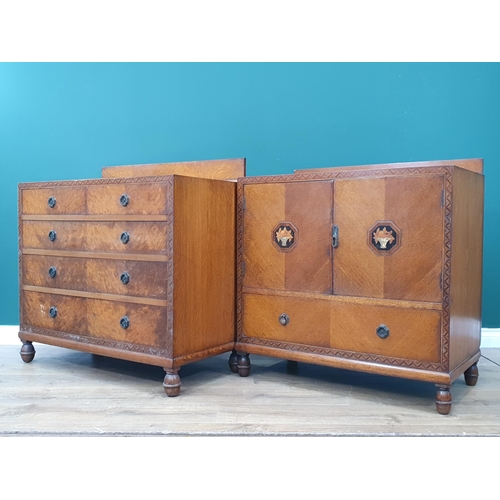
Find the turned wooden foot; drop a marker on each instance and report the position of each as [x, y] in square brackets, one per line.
[471, 375]
[27, 351]
[243, 364]
[172, 383]
[443, 399]
[233, 362]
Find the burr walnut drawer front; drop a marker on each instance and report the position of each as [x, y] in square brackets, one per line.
[127, 237]
[120, 277]
[101, 319]
[127, 199]
[54, 201]
[410, 333]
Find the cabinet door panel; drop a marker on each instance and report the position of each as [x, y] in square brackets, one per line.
[287, 236]
[409, 211]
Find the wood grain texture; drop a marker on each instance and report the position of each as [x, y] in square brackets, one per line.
[204, 264]
[69, 200]
[472, 164]
[210, 169]
[307, 266]
[143, 199]
[466, 268]
[147, 323]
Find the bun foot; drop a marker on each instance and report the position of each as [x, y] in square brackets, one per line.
[471, 375]
[27, 352]
[244, 364]
[443, 399]
[233, 362]
[172, 383]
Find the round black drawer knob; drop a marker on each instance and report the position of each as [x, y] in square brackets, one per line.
[125, 237]
[125, 278]
[52, 235]
[53, 312]
[382, 331]
[124, 322]
[284, 319]
[124, 199]
[51, 202]
[52, 272]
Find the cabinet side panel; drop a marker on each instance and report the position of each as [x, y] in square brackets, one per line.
[204, 264]
[466, 267]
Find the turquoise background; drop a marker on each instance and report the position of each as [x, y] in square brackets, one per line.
[66, 120]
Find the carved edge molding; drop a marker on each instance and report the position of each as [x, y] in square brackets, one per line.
[92, 182]
[81, 339]
[170, 267]
[446, 315]
[325, 351]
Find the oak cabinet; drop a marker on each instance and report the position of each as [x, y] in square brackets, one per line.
[137, 268]
[372, 269]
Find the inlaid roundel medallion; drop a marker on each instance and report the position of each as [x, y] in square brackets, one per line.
[384, 237]
[285, 236]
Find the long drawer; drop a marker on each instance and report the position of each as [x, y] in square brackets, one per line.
[399, 332]
[120, 277]
[114, 321]
[100, 199]
[120, 236]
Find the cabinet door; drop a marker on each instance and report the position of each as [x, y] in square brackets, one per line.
[390, 237]
[287, 242]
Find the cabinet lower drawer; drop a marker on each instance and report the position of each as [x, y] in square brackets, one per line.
[119, 277]
[121, 237]
[396, 332]
[107, 320]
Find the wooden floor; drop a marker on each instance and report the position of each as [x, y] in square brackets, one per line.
[67, 393]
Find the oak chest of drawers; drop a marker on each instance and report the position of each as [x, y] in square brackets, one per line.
[138, 268]
[376, 269]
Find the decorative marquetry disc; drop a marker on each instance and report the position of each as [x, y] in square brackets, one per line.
[384, 237]
[285, 236]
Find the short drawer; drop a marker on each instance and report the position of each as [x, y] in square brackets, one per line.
[130, 323]
[54, 312]
[54, 201]
[127, 199]
[54, 235]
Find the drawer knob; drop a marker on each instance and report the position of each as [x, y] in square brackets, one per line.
[51, 202]
[382, 331]
[124, 199]
[125, 278]
[52, 272]
[124, 322]
[52, 235]
[53, 312]
[284, 319]
[125, 237]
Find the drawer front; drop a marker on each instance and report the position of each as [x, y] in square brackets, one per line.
[133, 278]
[54, 235]
[405, 333]
[54, 272]
[411, 333]
[129, 323]
[69, 314]
[127, 199]
[54, 201]
[308, 319]
[127, 237]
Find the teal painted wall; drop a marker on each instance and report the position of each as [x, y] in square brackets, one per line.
[66, 121]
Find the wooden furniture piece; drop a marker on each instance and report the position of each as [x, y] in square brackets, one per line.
[376, 269]
[139, 268]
